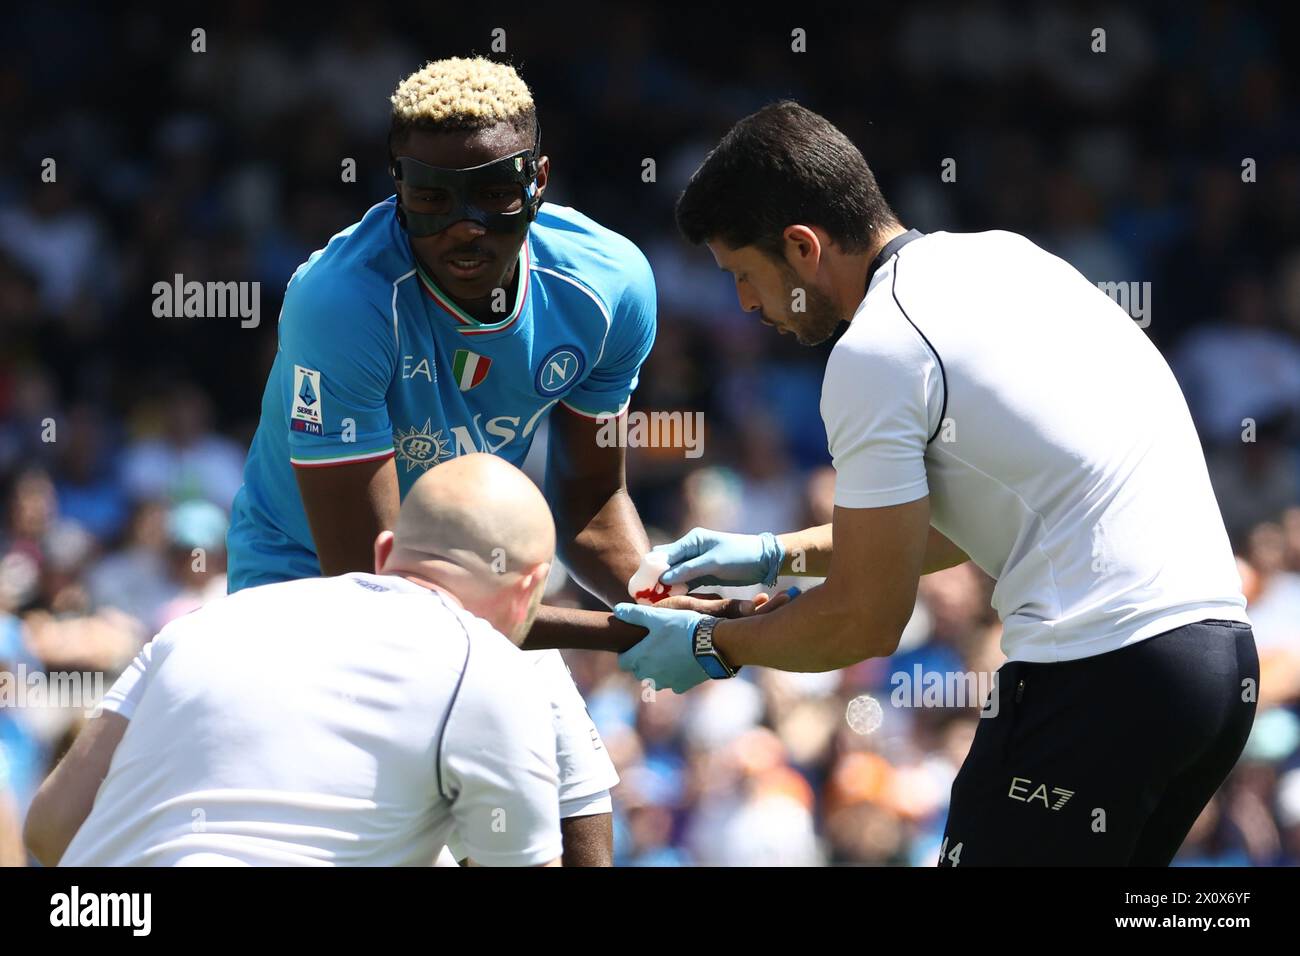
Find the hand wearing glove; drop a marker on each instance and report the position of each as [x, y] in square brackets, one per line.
[667, 654]
[704, 557]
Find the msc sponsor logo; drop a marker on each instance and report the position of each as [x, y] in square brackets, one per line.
[420, 447]
[423, 446]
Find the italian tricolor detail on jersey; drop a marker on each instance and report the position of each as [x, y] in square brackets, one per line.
[470, 368]
[466, 324]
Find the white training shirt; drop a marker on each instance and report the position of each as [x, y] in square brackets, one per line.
[358, 720]
[1052, 438]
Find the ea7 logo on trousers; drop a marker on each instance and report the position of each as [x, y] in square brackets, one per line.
[1020, 786]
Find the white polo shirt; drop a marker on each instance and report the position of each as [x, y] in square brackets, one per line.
[1052, 438]
[358, 720]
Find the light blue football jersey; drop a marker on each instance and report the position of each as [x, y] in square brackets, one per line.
[374, 360]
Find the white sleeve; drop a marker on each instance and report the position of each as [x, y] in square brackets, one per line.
[124, 696]
[881, 402]
[498, 764]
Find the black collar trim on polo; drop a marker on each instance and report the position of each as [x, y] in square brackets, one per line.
[891, 247]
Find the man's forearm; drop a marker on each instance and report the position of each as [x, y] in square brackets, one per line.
[65, 799]
[940, 553]
[818, 632]
[11, 837]
[604, 552]
[808, 552]
[347, 506]
[588, 840]
[601, 557]
[572, 628]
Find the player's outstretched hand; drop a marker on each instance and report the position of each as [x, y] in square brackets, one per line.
[721, 559]
[727, 607]
[666, 655]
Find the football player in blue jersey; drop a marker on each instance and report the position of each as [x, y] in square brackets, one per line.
[451, 319]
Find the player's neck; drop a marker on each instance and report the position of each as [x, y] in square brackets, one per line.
[429, 585]
[481, 309]
[882, 239]
[858, 268]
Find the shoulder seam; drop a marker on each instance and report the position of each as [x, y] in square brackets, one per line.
[396, 339]
[943, 373]
[455, 694]
[604, 310]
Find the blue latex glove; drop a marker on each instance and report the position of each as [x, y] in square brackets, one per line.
[704, 557]
[667, 654]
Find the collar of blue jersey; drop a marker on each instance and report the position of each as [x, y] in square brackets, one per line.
[891, 248]
[517, 169]
[466, 323]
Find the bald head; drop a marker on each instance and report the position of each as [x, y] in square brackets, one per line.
[477, 511]
[478, 527]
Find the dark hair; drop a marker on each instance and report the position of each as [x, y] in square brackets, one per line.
[782, 165]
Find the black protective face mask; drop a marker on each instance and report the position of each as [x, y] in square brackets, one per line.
[501, 196]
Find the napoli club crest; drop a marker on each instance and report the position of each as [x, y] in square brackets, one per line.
[559, 371]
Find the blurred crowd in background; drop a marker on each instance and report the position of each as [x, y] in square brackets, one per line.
[122, 435]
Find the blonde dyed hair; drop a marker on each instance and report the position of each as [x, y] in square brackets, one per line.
[462, 93]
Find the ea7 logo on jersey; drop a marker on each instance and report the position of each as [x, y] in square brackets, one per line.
[305, 414]
[1021, 785]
